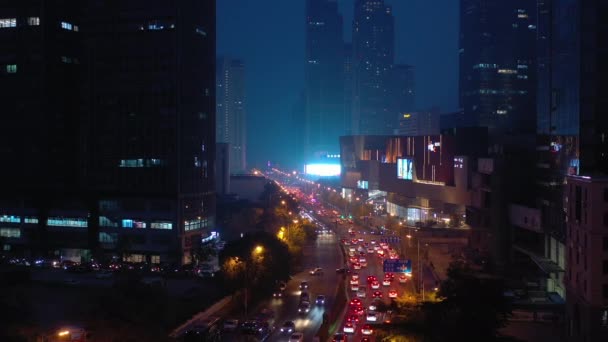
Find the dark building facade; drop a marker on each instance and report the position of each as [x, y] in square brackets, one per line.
[497, 64]
[230, 115]
[130, 89]
[373, 57]
[324, 77]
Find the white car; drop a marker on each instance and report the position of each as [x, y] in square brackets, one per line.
[296, 337]
[354, 287]
[371, 316]
[361, 293]
[386, 282]
[354, 281]
[402, 279]
[375, 285]
[349, 328]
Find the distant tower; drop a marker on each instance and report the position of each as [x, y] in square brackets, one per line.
[497, 64]
[231, 117]
[373, 56]
[324, 93]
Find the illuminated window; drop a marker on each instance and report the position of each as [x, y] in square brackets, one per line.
[507, 71]
[10, 219]
[161, 225]
[8, 22]
[66, 222]
[108, 237]
[155, 259]
[31, 220]
[10, 232]
[201, 32]
[33, 21]
[127, 223]
[66, 26]
[11, 68]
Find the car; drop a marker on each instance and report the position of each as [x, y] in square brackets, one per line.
[277, 294]
[375, 285]
[377, 294]
[372, 241]
[304, 307]
[320, 300]
[343, 270]
[360, 240]
[358, 310]
[370, 250]
[357, 266]
[316, 271]
[371, 316]
[392, 294]
[303, 285]
[402, 279]
[352, 319]
[349, 328]
[353, 259]
[371, 278]
[288, 327]
[367, 330]
[296, 337]
[355, 302]
[354, 281]
[362, 292]
[230, 324]
[355, 276]
[339, 337]
[354, 287]
[386, 282]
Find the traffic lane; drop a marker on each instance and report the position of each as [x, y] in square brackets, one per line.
[325, 254]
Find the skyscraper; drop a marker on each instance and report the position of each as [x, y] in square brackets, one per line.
[324, 77]
[118, 130]
[497, 64]
[231, 117]
[373, 56]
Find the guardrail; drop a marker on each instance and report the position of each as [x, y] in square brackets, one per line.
[219, 305]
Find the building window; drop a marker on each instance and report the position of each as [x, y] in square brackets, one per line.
[66, 26]
[134, 258]
[10, 232]
[127, 223]
[111, 238]
[10, 219]
[11, 68]
[67, 222]
[161, 225]
[8, 22]
[155, 259]
[31, 220]
[33, 21]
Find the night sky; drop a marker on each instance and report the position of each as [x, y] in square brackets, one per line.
[269, 36]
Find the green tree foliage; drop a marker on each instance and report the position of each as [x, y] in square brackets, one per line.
[261, 270]
[470, 305]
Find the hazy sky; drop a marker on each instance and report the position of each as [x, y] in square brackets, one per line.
[269, 36]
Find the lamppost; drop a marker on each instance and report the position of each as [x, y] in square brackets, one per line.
[249, 266]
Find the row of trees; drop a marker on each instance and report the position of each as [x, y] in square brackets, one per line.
[466, 305]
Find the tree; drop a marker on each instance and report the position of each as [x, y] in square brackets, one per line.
[467, 302]
[203, 252]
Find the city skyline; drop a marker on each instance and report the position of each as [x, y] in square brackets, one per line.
[425, 38]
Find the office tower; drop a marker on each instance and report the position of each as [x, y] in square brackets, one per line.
[348, 87]
[579, 82]
[497, 64]
[324, 77]
[138, 80]
[400, 89]
[231, 116]
[373, 56]
[419, 123]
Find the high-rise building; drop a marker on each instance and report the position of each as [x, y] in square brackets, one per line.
[373, 57]
[118, 97]
[324, 77]
[419, 123]
[497, 64]
[400, 90]
[230, 114]
[579, 82]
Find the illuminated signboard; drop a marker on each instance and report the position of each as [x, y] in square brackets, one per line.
[433, 146]
[362, 184]
[405, 168]
[323, 170]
